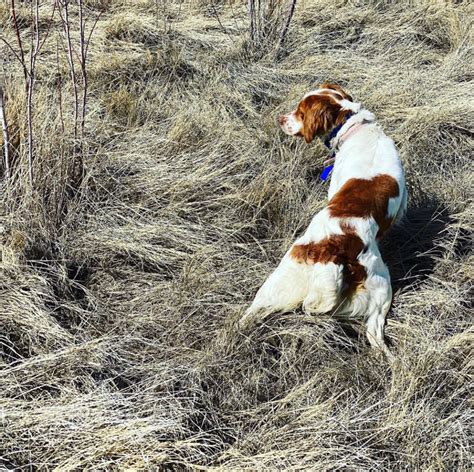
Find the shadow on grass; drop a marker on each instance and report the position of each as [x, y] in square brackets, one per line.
[411, 248]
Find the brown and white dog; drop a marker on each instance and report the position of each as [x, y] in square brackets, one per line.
[336, 266]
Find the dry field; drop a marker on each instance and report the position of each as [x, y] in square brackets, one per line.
[120, 291]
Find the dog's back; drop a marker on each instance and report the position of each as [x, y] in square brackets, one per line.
[336, 264]
[338, 251]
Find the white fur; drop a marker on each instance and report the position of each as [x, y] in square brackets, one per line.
[292, 125]
[323, 91]
[345, 104]
[348, 105]
[366, 153]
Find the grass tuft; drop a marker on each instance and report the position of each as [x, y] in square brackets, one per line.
[119, 299]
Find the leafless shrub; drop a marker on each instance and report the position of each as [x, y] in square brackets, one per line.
[80, 94]
[37, 34]
[269, 22]
[28, 63]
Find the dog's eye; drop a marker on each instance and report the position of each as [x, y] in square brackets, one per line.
[302, 115]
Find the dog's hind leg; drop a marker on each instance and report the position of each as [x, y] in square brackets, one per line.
[376, 326]
[283, 291]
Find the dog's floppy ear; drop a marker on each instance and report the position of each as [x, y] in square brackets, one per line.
[319, 116]
[337, 88]
[310, 124]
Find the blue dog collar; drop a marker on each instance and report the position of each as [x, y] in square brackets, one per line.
[327, 142]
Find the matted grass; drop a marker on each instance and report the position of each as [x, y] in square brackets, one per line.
[119, 347]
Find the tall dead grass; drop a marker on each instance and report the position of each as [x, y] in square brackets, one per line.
[118, 340]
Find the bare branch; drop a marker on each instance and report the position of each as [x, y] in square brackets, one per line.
[60, 84]
[91, 31]
[219, 21]
[84, 48]
[6, 135]
[18, 37]
[25, 70]
[251, 10]
[50, 22]
[82, 62]
[261, 20]
[289, 16]
[265, 21]
[34, 50]
[70, 54]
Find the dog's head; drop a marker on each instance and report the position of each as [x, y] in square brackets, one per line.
[318, 112]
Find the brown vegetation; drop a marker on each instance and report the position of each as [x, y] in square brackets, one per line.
[120, 291]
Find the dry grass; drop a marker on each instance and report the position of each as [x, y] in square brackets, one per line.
[118, 307]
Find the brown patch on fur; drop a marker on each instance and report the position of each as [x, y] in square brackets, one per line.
[321, 113]
[341, 249]
[337, 88]
[362, 198]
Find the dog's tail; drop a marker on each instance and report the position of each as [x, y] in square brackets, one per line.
[283, 291]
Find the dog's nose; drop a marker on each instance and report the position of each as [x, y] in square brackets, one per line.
[282, 119]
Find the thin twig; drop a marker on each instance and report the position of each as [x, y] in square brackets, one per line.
[70, 55]
[251, 11]
[60, 84]
[289, 16]
[84, 48]
[82, 62]
[91, 31]
[219, 21]
[261, 20]
[25, 70]
[34, 50]
[50, 22]
[6, 135]
[20, 44]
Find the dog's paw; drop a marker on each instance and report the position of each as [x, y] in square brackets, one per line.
[247, 320]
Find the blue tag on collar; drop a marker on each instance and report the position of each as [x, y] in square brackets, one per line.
[326, 171]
